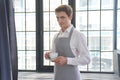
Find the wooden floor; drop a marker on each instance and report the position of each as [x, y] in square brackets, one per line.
[49, 76]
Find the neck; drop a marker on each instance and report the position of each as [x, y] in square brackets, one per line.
[64, 28]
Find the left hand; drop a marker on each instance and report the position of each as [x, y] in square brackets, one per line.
[61, 60]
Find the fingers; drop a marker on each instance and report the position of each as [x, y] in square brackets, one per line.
[47, 55]
[61, 60]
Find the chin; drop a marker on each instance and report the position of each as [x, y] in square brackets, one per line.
[61, 26]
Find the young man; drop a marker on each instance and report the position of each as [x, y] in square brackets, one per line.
[70, 45]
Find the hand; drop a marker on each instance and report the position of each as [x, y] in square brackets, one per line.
[61, 60]
[47, 55]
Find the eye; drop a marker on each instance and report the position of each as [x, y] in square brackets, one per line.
[62, 17]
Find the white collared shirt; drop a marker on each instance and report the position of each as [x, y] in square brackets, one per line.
[78, 46]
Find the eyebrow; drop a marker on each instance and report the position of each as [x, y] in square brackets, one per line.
[61, 17]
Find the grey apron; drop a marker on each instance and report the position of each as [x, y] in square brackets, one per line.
[66, 72]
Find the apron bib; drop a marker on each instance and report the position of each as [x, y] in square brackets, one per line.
[66, 72]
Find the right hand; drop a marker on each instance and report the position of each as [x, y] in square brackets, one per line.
[47, 55]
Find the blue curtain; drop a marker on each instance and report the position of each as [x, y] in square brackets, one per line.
[8, 44]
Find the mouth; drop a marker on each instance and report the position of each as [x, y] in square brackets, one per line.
[61, 24]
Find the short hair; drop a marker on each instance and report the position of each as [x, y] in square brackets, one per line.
[64, 8]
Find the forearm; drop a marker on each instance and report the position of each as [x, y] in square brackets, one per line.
[83, 60]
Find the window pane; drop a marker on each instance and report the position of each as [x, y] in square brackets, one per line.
[106, 40]
[64, 1]
[46, 5]
[94, 20]
[81, 20]
[54, 26]
[53, 4]
[31, 58]
[30, 22]
[30, 41]
[107, 20]
[46, 21]
[94, 4]
[107, 61]
[46, 41]
[95, 62]
[107, 4]
[19, 5]
[94, 40]
[51, 38]
[20, 21]
[21, 60]
[81, 4]
[30, 7]
[21, 40]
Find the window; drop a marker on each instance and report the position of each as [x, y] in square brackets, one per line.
[26, 33]
[94, 18]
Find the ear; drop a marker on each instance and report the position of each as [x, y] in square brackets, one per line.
[70, 17]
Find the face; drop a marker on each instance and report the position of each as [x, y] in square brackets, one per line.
[64, 20]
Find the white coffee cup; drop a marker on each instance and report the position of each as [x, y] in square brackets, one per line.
[53, 56]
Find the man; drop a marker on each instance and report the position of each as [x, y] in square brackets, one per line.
[70, 45]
